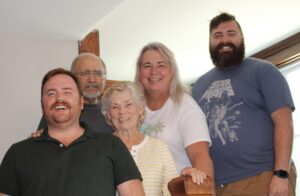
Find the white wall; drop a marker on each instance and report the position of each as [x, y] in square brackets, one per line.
[23, 63]
[183, 26]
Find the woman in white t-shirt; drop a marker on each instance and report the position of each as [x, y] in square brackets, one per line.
[171, 113]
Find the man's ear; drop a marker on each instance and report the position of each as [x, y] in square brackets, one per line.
[42, 106]
[108, 116]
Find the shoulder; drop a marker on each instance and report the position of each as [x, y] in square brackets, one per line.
[188, 103]
[107, 137]
[253, 60]
[156, 142]
[187, 98]
[158, 148]
[23, 147]
[206, 75]
[104, 139]
[25, 143]
[260, 69]
[205, 79]
[257, 64]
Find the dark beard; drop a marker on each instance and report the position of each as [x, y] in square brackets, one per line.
[227, 59]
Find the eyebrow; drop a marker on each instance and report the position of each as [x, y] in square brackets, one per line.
[126, 101]
[156, 62]
[163, 62]
[68, 88]
[228, 31]
[232, 31]
[217, 32]
[91, 70]
[53, 89]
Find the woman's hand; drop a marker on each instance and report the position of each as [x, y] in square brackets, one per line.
[36, 133]
[197, 175]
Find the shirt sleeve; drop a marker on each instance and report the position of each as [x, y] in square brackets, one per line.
[8, 174]
[124, 165]
[275, 89]
[192, 123]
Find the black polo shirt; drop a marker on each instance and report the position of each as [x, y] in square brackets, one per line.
[92, 165]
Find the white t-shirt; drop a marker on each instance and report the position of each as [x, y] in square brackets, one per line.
[178, 126]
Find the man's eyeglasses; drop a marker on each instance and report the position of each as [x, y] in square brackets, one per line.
[88, 74]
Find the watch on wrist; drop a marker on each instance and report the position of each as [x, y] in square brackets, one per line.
[281, 173]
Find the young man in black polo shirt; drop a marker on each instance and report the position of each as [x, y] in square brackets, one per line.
[68, 159]
[91, 73]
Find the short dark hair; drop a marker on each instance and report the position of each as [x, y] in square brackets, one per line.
[59, 71]
[223, 17]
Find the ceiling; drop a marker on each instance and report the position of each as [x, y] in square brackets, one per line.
[57, 19]
[62, 19]
[264, 23]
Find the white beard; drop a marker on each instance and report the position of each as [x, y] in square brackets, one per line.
[91, 96]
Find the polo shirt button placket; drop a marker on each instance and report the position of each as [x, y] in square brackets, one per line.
[61, 145]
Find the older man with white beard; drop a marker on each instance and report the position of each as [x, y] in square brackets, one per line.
[91, 72]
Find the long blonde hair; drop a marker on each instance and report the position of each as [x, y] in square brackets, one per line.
[177, 88]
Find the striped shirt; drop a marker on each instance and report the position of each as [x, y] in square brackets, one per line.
[156, 165]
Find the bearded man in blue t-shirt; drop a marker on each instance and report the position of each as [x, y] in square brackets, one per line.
[248, 106]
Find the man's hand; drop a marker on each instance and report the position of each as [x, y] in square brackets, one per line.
[279, 186]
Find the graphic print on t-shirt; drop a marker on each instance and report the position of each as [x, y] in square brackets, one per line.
[221, 114]
[152, 130]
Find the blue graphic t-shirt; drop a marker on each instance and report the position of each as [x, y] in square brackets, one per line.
[237, 103]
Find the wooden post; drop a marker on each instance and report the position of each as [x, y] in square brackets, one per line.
[90, 43]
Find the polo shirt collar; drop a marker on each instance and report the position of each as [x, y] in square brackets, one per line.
[86, 135]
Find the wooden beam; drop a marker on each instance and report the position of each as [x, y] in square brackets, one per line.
[283, 52]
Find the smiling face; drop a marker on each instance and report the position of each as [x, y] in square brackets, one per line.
[61, 101]
[155, 72]
[91, 75]
[227, 44]
[124, 111]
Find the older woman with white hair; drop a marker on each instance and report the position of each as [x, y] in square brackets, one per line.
[123, 107]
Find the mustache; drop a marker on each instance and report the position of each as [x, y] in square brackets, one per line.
[58, 103]
[221, 45]
[93, 85]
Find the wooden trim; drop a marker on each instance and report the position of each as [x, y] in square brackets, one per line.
[283, 52]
